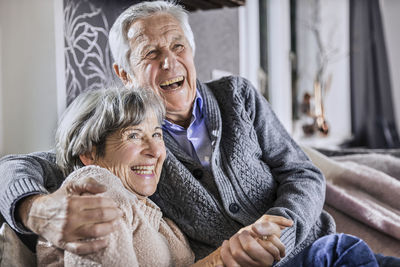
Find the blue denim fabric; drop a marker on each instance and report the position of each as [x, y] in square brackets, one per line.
[334, 251]
[387, 261]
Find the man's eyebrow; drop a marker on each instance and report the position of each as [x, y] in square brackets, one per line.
[179, 37]
[135, 35]
[136, 38]
[145, 47]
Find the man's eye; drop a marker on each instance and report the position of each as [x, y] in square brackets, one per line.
[178, 47]
[151, 54]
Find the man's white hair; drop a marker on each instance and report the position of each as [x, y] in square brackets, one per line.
[118, 37]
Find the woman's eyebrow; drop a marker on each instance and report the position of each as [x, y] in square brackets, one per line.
[132, 129]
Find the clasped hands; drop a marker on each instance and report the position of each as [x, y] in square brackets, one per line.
[258, 244]
[74, 217]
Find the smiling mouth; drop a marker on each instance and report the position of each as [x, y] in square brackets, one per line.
[143, 170]
[173, 83]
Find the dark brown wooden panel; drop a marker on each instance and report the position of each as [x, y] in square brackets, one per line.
[192, 5]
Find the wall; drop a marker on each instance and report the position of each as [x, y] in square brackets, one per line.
[1, 92]
[390, 12]
[32, 75]
[279, 65]
[216, 35]
[334, 29]
[28, 76]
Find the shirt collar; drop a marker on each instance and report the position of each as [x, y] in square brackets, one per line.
[197, 113]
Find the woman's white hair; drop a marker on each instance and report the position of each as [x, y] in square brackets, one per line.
[94, 115]
[118, 36]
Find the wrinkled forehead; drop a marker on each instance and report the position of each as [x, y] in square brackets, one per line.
[154, 27]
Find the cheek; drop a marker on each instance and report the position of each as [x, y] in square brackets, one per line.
[189, 61]
[164, 154]
[149, 75]
[128, 153]
[123, 155]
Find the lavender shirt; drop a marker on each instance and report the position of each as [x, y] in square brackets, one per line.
[194, 140]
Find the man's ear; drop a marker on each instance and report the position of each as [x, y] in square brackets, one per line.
[88, 158]
[122, 74]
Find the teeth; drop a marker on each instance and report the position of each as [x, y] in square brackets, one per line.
[166, 83]
[143, 169]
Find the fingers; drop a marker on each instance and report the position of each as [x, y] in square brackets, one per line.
[92, 209]
[95, 230]
[274, 246]
[244, 250]
[266, 228]
[278, 244]
[239, 246]
[255, 251]
[66, 217]
[90, 217]
[281, 221]
[226, 255]
[89, 185]
[86, 247]
[91, 202]
[99, 215]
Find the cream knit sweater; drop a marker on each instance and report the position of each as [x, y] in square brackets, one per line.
[144, 237]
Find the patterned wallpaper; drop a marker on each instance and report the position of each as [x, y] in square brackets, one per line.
[87, 54]
[88, 58]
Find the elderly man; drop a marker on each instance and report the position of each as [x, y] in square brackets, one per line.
[229, 160]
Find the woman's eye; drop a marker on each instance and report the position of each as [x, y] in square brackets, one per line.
[157, 135]
[133, 136]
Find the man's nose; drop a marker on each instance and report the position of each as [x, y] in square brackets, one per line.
[168, 61]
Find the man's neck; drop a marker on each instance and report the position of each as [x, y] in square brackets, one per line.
[181, 121]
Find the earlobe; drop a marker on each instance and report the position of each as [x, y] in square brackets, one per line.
[122, 74]
[87, 158]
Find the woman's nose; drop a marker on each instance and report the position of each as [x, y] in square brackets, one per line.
[154, 148]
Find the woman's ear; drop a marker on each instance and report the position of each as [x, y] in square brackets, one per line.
[122, 74]
[88, 158]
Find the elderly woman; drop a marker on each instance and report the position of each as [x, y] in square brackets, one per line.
[114, 136]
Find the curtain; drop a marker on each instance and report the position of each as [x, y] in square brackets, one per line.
[373, 121]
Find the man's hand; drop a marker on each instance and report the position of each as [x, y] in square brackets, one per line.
[257, 244]
[71, 214]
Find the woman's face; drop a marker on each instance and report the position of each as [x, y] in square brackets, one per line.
[135, 154]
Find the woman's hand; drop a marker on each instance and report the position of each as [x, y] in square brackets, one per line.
[70, 215]
[257, 244]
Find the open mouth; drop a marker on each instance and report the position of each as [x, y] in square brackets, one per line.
[143, 170]
[173, 83]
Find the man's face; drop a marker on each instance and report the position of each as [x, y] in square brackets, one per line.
[162, 58]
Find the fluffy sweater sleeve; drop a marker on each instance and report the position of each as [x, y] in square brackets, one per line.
[143, 237]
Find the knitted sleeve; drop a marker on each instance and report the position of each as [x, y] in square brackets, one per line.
[120, 250]
[24, 175]
[301, 186]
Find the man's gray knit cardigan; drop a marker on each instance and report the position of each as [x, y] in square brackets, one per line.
[255, 169]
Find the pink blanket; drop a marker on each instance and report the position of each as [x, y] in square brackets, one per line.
[365, 187]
